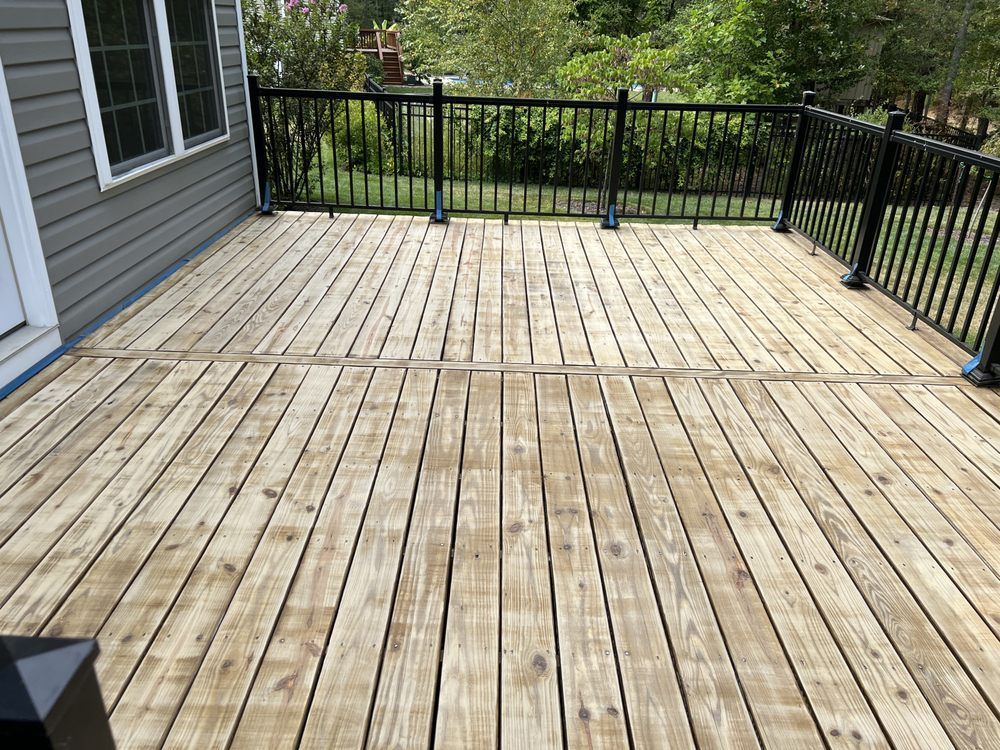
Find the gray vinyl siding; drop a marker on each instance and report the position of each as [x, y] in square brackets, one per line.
[102, 247]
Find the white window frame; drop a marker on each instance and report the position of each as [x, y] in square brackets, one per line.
[88, 84]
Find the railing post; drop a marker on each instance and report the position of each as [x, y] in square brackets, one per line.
[798, 151]
[984, 369]
[259, 148]
[875, 202]
[610, 220]
[439, 215]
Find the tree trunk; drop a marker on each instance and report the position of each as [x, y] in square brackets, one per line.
[982, 131]
[944, 102]
[919, 106]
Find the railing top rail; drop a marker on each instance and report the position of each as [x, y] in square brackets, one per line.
[526, 102]
[693, 106]
[930, 145]
[367, 96]
[513, 101]
[823, 114]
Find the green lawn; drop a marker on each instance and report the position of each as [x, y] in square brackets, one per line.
[405, 193]
[927, 256]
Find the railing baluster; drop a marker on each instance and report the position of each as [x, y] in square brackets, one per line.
[333, 152]
[977, 238]
[959, 248]
[378, 142]
[888, 257]
[659, 161]
[482, 150]
[720, 168]
[929, 259]
[675, 161]
[555, 176]
[981, 280]
[541, 156]
[736, 162]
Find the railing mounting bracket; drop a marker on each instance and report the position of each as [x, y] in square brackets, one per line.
[983, 378]
[854, 280]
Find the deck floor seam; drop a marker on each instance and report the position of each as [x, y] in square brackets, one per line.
[521, 367]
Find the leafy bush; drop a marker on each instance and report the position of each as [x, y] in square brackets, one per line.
[617, 62]
[361, 138]
[303, 44]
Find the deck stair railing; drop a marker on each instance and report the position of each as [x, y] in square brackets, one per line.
[912, 217]
[384, 44]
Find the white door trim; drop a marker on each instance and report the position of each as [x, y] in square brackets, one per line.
[26, 253]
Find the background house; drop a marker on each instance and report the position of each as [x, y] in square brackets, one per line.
[123, 149]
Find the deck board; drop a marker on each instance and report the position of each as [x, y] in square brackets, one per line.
[362, 481]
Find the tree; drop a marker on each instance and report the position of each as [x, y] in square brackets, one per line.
[915, 52]
[620, 62]
[612, 17]
[961, 38]
[978, 81]
[769, 50]
[503, 47]
[302, 44]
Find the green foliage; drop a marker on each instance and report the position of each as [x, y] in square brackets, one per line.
[769, 50]
[357, 136]
[626, 17]
[305, 44]
[979, 76]
[621, 62]
[915, 52]
[374, 68]
[612, 17]
[503, 47]
[992, 145]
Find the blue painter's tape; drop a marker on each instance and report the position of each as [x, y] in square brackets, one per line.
[973, 364]
[28, 374]
[25, 376]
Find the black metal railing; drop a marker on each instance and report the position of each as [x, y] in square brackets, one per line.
[911, 216]
[540, 157]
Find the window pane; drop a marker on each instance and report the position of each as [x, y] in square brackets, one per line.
[192, 39]
[119, 33]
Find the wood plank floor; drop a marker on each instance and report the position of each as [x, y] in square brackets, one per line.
[373, 482]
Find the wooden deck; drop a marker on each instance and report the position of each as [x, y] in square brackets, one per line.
[374, 482]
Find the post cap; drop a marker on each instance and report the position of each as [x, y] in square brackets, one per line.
[35, 672]
[897, 118]
[808, 98]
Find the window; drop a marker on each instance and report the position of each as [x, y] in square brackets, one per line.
[151, 78]
[195, 67]
[127, 81]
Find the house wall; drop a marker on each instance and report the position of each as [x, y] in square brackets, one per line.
[102, 246]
